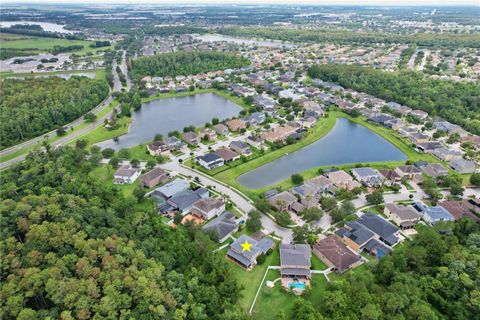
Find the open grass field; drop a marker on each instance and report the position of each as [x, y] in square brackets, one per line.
[45, 44]
[100, 133]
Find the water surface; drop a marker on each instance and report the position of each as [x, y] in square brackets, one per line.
[347, 142]
[262, 43]
[46, 26]
[170, 114]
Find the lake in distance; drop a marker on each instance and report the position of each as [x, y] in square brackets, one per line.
[347, 142]
[170, 114]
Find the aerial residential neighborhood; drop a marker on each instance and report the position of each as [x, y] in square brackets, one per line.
[240, 160]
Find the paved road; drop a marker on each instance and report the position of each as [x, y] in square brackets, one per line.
[117, 85]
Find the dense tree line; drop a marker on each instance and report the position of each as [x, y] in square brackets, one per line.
[7, 53]
[347, 37]
[435, 276]
[185, 63]
[33, 106]
[73, 247]
[457, 102]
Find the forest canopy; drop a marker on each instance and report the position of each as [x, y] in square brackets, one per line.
[73, 247]
[186, 63]
[34, 106]
[457, 102]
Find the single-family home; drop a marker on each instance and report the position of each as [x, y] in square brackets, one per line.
[157, 148]
[432, 214]
[207, 133]
[153, 177]
[295, 263]
[171, 188]
[174, 143]
[386, 231]
[404, 217]
[240, 147]
[236, 125]
[278, 133]
[256, 142]
[459, 209]
[418, 138]
[419, 113]
[462, 166]
[227, 155]
[391, 176]
[191, 138]
[447, 154]
[248, 258]
[208, 208]
[342, 180]
[183, 201]
[409, 171]
[434, 170]
[283, 201]
[221, 129]
[223, 226]
[210, 161]
[126, 174]
[335, 254]
[368, 176]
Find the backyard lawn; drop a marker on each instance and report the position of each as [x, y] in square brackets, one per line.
[251, 279]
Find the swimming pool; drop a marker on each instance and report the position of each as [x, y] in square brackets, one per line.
[297, 285]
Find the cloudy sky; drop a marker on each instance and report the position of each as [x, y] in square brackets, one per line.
[337, 2]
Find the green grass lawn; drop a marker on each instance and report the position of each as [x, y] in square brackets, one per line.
[100, 133]
[251, 279]
[273, 300]
[40, 44]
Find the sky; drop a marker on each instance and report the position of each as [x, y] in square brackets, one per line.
[319, 2]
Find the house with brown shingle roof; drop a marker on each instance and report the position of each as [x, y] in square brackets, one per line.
[208, 208]
[236, 124]
[227, 154]
[342, 180]
[283, 201]
[335, 254]
[153, 177]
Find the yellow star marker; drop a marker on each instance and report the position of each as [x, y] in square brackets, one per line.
[246, 246]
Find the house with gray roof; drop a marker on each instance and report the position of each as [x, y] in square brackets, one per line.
[240, 147]
[223, 226]
[462, 165]
[355, 235]
[432, 214]
[171, 188]
[183, 201]
[368, 176]
[248, 258]
[295, 261]
[386, 231]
